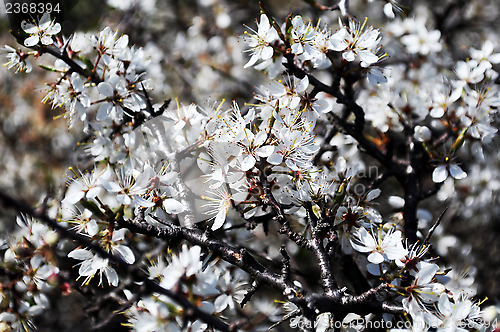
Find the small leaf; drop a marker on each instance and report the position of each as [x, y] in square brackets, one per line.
[459, 141]
[48, 68]
[341, 192]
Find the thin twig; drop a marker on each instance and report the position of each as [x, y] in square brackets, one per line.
[433, 228]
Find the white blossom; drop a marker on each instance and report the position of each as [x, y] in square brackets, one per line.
[41, 31]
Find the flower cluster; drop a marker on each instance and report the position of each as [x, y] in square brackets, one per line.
[312, 44]
[211, 201]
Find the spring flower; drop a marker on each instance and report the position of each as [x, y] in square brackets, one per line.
[92, 263]
[423, 41]
[354, 43]
[83, 186]
[458, 313]
[219, 204]
[423, 292]
[187, 263]
[486, 53]
[295, 147]
[41, 32]
[260, 42]
[129, 186]
[304, 39]
[387, 246]
[441, 173]
[17, 59]
[422, 133]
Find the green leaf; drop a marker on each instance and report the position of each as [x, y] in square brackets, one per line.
[341, 192]
[48, 68]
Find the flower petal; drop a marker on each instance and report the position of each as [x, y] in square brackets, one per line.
[456, 172]
[440, 174]
[173, 206]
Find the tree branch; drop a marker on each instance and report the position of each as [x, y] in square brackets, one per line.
[152, 287]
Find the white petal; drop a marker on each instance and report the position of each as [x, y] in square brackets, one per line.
[396, 252]
[426, 273]
[267, 53]
[440, 174]
[247, 163]
[494, 58]
[118, 235]
[388, 10]
[77, 83]
[456, 172]
[444, 305]
[92, 227]
[375, 257]
[28, 27]
[111, 186]
[99, 263]
[349, 56]
[44, 22]
[297, 22]
[112, 276]
[276, 89]
[86, 269]
[73, 197]
[47, 40]
[122, 42]
[125, 253]
[337, 40]
[141, 201]
[363, 247]
[80, 254]
[396, 201]
[53, 30]
[252, 61]
[219, 220]
[123, 199]
[103, 111]
[264, 23]
[302, 85]
[367, 58]
[31, 41]
[173, 206]
[265, 151]
[437, 112]
[220, 303]
[275, 158]
[297, 48]
[322, 106]
[372, 194]
[105, 89]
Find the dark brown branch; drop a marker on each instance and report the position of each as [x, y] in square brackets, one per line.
[433, 228]
[411, 185]
[269, 200]
[325, 266]
[285, 269]
[237, 257]
[369, 147]
[251, 292]
[341, 303]
[74, 67]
